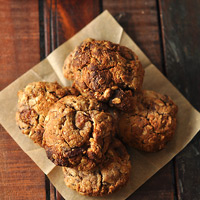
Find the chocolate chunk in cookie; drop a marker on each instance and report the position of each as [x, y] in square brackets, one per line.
[34, 102]
[105, 71]
[77, 132]
[151, 124]
[110, 175]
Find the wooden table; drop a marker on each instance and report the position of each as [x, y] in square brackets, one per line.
[168, 31]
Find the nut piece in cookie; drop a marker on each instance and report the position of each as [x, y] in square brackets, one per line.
[77, 132]
[151, 124]
[105, 71]
[34, 102]
[107, 177]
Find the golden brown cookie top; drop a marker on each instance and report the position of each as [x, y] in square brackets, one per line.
[107, 177]
[151, 124]
[77, 132]
[153, 101]
[34, 102]
[105, 71]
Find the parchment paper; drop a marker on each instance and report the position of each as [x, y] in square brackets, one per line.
[144, 165]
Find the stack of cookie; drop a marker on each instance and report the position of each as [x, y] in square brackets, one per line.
[80, 127]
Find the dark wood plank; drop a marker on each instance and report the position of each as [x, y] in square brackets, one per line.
[140, 21]
[160, 186]
[19, 22]
[188, 171]
[62, 19]
[181, 29]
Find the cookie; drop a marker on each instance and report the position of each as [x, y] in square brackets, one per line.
[77, 132]
[105, 71]
[34, 102]
[107, 177]
[151, 124]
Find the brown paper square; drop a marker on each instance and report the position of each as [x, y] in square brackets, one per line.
[144, 165]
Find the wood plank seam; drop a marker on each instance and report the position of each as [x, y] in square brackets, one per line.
[180, 42]
[175, 173]
[19, 40]
[41, 28]
[43, 54]
[51, 43]
[100, 6]
[162, 44]
[161, 36]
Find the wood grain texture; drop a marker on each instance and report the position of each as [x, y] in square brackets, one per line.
[181, 29]
[62, 19]
[20, 178]
[73, 15]
[19, 39]
[140, 21]
[188, 171]
[159, 187]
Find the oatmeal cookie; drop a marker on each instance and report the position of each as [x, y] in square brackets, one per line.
[105, 71]
[107, 177]
[151, 124]
[34, 102]
[77, 132]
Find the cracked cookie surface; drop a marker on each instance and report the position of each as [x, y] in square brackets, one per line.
[34, 102]
[105, 71]
[151, 124]
[107, 177]
[77, 132]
